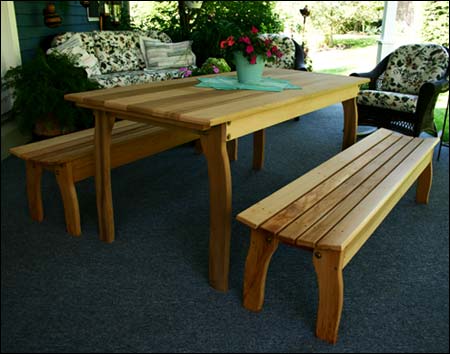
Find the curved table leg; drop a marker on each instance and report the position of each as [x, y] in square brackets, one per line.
[350, 122]
[215, 150]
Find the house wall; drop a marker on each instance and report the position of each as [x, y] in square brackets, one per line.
[32, 31]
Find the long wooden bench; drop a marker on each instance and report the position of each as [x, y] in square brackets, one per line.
[71, 158]
[332, 210]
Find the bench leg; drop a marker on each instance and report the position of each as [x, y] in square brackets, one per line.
[34, 174]
[424, 185]
[329, 266]
[69, 197]
[259, 139]
[261, 249]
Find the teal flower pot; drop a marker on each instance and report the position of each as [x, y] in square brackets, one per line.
[247, 72]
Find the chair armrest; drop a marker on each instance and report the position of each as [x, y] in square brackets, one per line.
[375, 73]
[426, 102]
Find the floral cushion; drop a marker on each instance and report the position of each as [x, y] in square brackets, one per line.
[410, 66]
[287, 47]
[389, 100]
[118, 51]
[126, 78]
[115, 50]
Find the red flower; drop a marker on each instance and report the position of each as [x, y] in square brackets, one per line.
[245, 39]
[227, 42]
[251, 44]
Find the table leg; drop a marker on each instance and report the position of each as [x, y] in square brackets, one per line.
[259, 138]
[104, 123]
[350, 122]
[215, 149]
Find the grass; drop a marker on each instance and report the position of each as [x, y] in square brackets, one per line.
[355, 42]
[439, 113]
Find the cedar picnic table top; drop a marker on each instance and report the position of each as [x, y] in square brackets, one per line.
[180, 101]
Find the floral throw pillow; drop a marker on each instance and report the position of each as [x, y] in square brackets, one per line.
[73, 47]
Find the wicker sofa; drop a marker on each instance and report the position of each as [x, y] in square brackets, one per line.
[115, 58]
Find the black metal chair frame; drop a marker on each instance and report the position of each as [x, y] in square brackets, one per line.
[403, 122]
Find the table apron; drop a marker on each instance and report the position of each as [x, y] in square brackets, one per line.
[261, 120]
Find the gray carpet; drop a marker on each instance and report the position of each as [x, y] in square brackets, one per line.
[149, 292]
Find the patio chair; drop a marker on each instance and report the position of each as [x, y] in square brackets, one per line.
[403, 89]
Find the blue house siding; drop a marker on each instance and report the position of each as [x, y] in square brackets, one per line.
[33, 33]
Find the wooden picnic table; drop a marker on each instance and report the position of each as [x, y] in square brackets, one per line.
[218, 117]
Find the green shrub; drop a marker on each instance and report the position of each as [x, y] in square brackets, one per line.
[39, 86]
[436, 22]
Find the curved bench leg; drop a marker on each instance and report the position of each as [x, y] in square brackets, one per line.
[66, 185]
[262, 247]
[34, 174]
[329, 266]
[424, 185]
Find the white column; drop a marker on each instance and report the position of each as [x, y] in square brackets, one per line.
[10, 47]
[386, 44]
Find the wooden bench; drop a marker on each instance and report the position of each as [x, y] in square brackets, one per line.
[71, 158]
[332, 210]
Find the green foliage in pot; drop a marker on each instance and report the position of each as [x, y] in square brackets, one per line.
[39, 86]
[213, 66]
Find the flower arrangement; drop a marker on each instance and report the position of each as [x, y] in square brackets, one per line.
[252, 45]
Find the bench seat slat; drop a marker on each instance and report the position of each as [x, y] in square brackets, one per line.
[392, 187]
[263, 210]
[310, 221]
[370, 178]
[313, 198]
[40, 148]
[86, 148]
[80, 144]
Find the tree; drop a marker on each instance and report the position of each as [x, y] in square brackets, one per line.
[436, 22]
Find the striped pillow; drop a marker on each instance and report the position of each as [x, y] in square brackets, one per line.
[159, 55]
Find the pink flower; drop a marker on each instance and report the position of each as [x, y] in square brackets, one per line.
[269, 54]
[253, 59]
[185, 72]
[249, 49]
[245, 39]
[254, 30]
[215, 69]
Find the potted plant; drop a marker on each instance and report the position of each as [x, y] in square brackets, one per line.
[39, 86]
